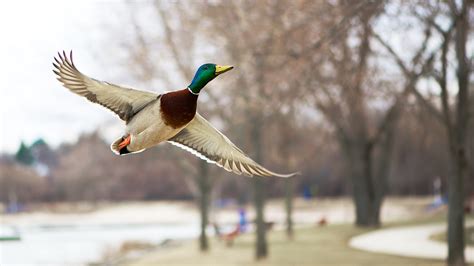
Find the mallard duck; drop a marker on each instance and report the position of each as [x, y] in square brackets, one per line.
[152, 118]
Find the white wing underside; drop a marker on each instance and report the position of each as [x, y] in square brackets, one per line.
[200, 138]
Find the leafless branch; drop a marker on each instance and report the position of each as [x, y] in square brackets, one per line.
[186, 69]
[413, 74]
[442, 81]
[390, 117]
[395, 56]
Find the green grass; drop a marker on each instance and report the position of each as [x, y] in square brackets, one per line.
[468, 236]
[311, 246]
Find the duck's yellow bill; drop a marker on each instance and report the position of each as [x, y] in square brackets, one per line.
[222, 69]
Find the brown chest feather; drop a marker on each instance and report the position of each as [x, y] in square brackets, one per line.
[178, 108]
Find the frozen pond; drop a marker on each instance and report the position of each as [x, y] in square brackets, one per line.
[77, 238]
[78, 244]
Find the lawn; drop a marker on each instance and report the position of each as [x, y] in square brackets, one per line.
[468, 236]
[311, 246]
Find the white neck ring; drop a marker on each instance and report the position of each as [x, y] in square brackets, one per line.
[192, 91]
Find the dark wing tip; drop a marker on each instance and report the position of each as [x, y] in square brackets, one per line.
[72, 61]
[63, 58]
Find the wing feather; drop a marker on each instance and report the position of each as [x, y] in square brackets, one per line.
[125, 102]
[201, 139]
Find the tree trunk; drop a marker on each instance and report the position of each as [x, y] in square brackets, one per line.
[289, 207]
[458, 141]
[287, 141]
[367, 203]
[261, 244]
[261, 250]
[456, 211]
[367, 208]
[204, 197]
[384, 158]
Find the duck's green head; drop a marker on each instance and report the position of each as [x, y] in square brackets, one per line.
[204, 74]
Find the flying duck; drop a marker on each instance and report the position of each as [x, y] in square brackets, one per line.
[152, 118]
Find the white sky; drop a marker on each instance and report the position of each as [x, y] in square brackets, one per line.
[33, 104]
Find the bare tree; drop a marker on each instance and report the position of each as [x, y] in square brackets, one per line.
[287, 141]
[256, 42]
[343, 98]
[454, 117]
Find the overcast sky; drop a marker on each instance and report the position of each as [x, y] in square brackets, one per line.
[33, 104]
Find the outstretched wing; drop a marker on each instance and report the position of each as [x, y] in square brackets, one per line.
[124, 102]
[201, 139]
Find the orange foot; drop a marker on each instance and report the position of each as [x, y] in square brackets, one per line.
[124, 142]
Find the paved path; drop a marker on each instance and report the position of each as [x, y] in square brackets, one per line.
[409, 241]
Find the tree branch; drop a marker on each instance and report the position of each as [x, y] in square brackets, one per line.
[333, 113]
[390, 117]
[185, 69]
[442, 81]
[411, 74]
[395, 56]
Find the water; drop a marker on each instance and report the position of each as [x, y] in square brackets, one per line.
[79, 245]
